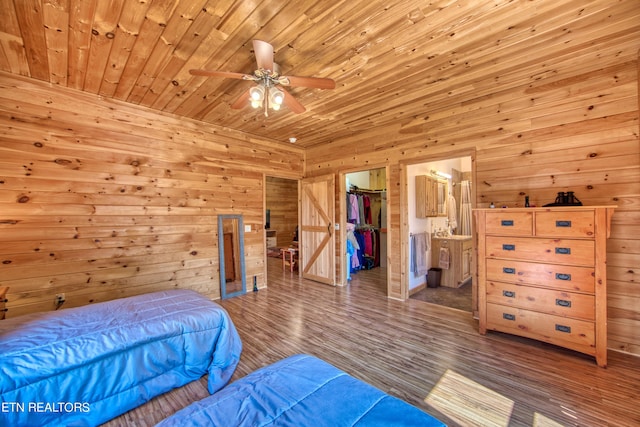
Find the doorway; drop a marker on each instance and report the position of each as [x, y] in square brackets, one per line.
[440, 232]
[364, 238]
[281, 223]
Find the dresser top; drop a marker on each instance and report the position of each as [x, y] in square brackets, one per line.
[546, 209]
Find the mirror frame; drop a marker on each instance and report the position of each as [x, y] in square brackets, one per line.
[240, 239]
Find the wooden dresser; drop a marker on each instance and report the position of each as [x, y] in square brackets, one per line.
[3, 300]
[542, 275]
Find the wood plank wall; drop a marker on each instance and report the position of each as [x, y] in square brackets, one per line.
[561, 133]
[100, 199]
[282, 201]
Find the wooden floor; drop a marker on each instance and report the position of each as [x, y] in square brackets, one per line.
[419, 351]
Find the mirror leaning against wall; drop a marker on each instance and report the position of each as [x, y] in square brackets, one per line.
[231, 251]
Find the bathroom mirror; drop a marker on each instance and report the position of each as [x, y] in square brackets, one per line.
[442, 194]
[231, 249]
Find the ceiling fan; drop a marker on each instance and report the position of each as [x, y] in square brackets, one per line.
[269, 91]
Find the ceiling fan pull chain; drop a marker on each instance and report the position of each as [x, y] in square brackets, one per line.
[265, 102]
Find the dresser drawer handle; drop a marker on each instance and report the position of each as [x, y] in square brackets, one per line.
[509, 294]
[563, 302]
[508, 247]
[563, 223]
[508, 316]
[508, 270]
[506, 223]
[563, 276]
[563, 328]
[563, 251]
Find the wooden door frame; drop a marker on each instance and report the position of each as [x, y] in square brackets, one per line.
[404, 222]
[264, 214]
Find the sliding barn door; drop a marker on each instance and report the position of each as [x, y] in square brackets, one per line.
[317, 242]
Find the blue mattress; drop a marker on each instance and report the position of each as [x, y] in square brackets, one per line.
[86, 365]
[300, 391]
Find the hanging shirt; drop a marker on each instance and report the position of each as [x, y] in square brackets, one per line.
[354, 210]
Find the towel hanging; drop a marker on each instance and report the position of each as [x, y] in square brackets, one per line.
[444, 258]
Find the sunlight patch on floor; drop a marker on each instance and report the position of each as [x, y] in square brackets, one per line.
[540, 420]
[469, 403]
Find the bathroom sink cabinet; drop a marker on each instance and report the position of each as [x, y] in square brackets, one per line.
[460, 258]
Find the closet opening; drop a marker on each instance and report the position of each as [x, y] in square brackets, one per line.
[439, 195]
[364, 225]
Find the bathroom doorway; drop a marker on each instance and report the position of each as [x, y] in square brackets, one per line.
[440, 232]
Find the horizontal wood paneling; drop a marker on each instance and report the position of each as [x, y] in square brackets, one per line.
[99, 199]
[570, 131]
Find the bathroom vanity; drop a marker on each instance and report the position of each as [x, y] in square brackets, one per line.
[460, 251]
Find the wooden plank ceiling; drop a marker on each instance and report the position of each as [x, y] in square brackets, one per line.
[396, 63]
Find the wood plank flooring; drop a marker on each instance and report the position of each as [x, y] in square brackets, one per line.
[419, 351]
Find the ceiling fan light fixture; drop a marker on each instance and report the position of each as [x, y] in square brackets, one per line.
[269, 92]
[277, 98]
[257, 94]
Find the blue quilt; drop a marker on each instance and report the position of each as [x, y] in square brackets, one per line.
[83, 366]
[300, 391]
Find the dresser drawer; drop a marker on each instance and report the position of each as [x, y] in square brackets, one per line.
[559, 303]
[571, 333]
[562, 277]
[560, 251]
[565, 224]
[507, 223]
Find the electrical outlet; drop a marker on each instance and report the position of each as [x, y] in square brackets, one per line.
[60, 298]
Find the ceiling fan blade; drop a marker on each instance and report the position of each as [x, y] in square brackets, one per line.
[242, 100]
[224, 74]
[291, 102]
[314, 82]
[264, 54]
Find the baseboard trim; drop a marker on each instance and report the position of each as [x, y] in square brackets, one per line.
[418, 288]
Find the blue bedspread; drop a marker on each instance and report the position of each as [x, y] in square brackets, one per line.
[300, 391]
[86, 365]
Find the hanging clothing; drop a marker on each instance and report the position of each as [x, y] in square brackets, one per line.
[452, 212]
[353, 211]
[420, 244]
[353, 242]
[350, 251]
[360, 209]
[366, 202]
[368, 242]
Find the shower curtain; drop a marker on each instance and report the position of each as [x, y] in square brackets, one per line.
[465, 209]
